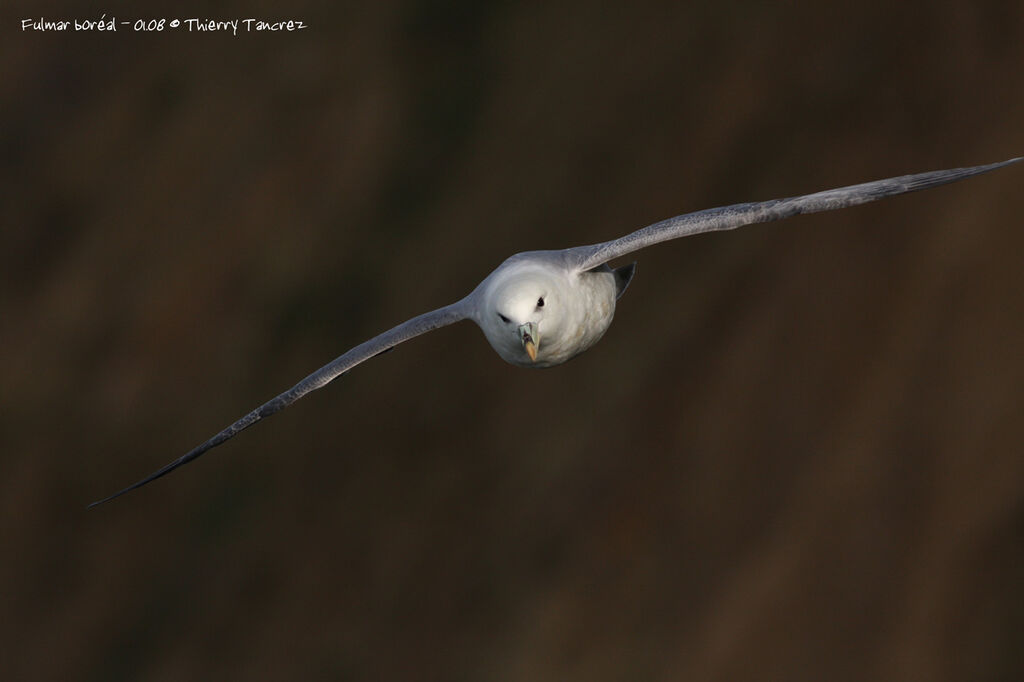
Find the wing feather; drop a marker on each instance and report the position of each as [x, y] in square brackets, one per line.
[318, 379]
[731, 217]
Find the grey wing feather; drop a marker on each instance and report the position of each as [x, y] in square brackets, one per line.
[361, 353]
[730, 217]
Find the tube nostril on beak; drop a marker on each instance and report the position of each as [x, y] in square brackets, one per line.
[530, 338]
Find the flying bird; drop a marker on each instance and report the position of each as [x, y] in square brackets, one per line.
[541, 308]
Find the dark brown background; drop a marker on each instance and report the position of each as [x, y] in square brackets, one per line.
[797, 454]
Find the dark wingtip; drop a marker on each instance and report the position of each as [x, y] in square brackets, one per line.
[119, 493]
[245, 422]
[104, 500]
[1008, 162]
[213, 442]
[1016, 159]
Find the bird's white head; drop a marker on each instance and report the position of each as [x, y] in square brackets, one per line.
[522, 314]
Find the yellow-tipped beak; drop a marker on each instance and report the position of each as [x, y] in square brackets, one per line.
[531, 338]
[531, 350]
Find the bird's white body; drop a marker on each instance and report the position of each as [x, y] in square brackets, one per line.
[575, 308]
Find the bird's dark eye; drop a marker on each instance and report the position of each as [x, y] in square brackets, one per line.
[504, 319]
[540, 302]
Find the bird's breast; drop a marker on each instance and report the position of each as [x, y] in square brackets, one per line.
[588, 308]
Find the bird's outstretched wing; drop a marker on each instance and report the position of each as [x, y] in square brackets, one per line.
[730, 217]
[361, 353]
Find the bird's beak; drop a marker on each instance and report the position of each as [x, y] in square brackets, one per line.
[530, 336]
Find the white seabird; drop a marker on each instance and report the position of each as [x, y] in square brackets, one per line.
[541, 308]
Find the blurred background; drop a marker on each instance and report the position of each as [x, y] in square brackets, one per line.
[797, 454]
